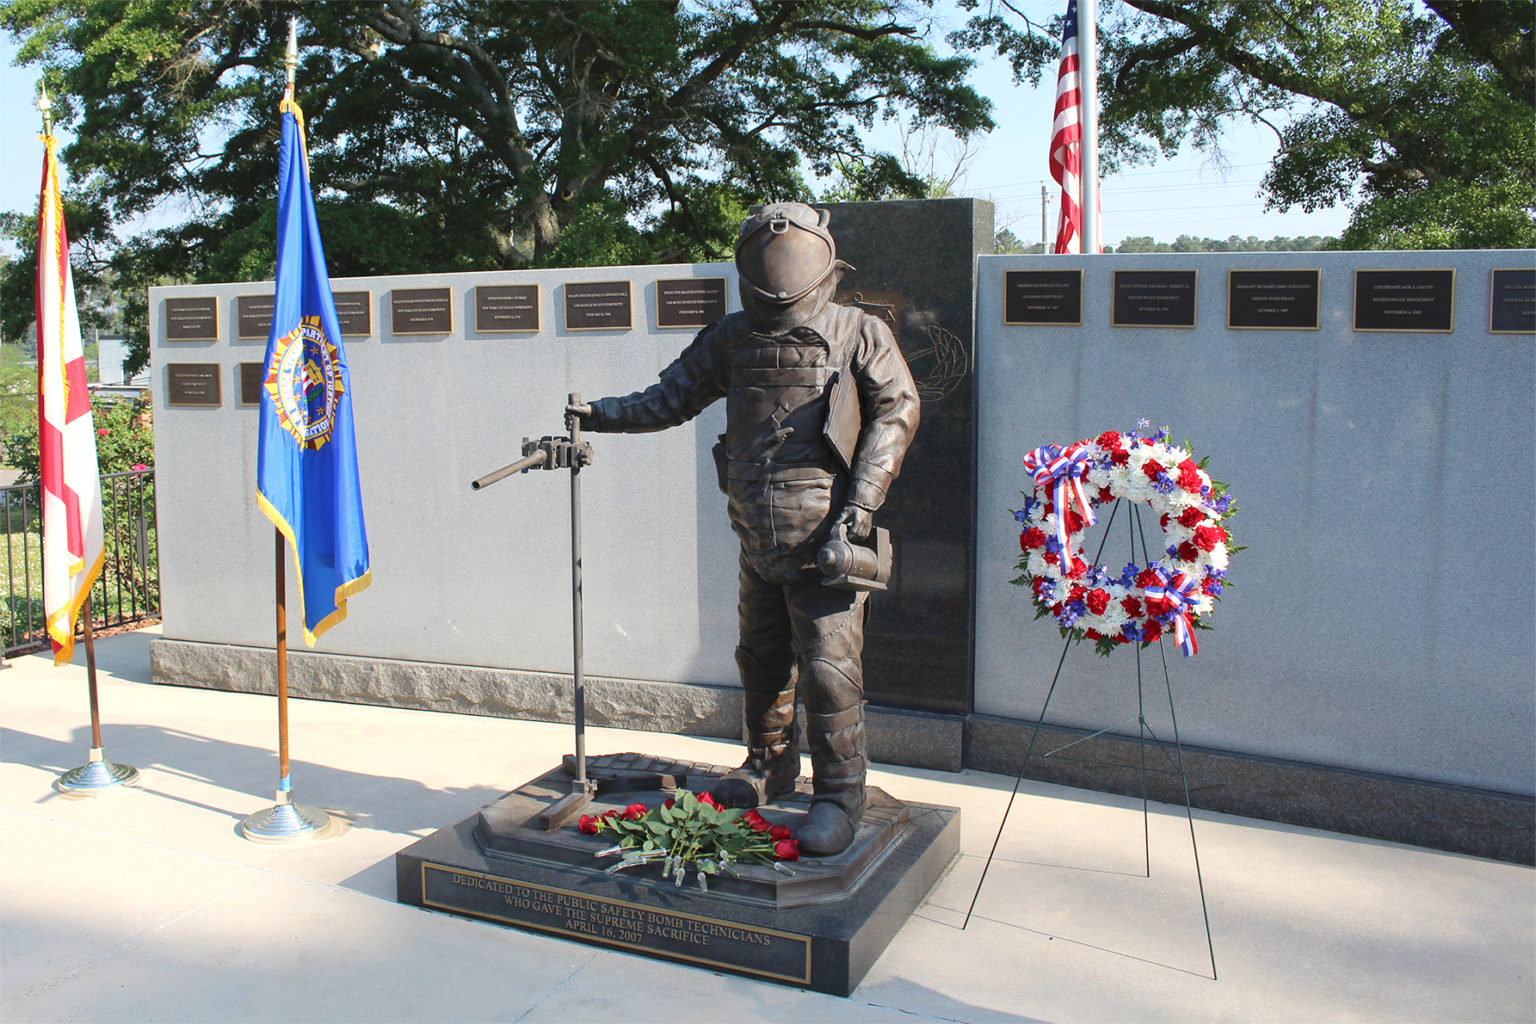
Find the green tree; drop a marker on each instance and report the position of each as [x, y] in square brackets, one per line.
[1417, 115]
[467, 134]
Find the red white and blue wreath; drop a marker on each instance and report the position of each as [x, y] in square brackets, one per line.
[1136, 604]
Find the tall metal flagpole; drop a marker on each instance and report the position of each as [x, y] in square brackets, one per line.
[1088, 84]
[285, 821]
[98, 775]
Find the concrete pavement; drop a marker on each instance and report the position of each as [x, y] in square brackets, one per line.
[149, 906]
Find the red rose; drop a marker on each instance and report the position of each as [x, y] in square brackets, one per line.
[1051, 558]
[1158, 605]
[1189, 476]
[1153, 631]
[708, 801]
[787, 849]
[588, 824]
[1074, 521]
[1093, 634]
[1076, 593]
[756, 821]
[1097, 600]
[1187, 552]
[634, 812]
[1207, 537]
[1148, 578]
[1191, 517]
[1119, 456]
[1079, 568]
[1151, 468]
[779, 832]
[1163, 521]
[1034, 537]
[1105, 496]
[1122, 639]
[1108, 440]
[670, 803]
[1132, 607]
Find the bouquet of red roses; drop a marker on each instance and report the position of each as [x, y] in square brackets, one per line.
[692, 832]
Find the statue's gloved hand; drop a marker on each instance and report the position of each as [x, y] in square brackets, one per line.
[858, 519]
[581, 410]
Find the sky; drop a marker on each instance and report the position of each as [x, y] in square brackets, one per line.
[1187, 194]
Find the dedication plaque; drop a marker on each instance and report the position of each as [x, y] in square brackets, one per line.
[690, 302]
[420, 311]
[1512, 301]
[354, 313]
[250, 383]
[1273, 300]
[506, 308]
[598, 306]
[652, 929]
[192, 319]
[1405, 300]
[1154, 298]
[1043, 297]
[193, 384]
[253, 316]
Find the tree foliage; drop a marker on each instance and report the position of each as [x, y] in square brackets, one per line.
[1419, 116]
[468, 134]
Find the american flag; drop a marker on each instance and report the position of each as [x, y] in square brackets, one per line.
[1067, 140]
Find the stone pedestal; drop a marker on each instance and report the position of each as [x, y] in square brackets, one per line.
[820, 928]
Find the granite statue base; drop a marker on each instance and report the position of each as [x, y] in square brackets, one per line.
[821, 928]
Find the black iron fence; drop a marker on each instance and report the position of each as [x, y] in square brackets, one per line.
[128, 589]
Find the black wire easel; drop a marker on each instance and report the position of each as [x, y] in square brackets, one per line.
[1175, 760]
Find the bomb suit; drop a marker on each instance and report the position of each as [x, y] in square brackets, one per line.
[778, 364]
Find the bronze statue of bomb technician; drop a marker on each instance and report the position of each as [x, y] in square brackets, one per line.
[820, 409]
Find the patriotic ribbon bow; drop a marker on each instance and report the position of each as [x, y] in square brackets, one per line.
[1063, 469]
[1180, 594]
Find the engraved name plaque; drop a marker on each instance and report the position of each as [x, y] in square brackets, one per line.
[193, 385]
[1405, 300]
[1043, 297]
[251, 380]
[253, 316]
[707, 942]
[192, 319]
[690, 302]
[1274, 300]
[354, 313]
[507, 308]
[598, 306]
[420, 311]
[1512, 301]
[1154, 298]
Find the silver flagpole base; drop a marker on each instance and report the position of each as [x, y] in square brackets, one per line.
[97, 777]
[288, 822]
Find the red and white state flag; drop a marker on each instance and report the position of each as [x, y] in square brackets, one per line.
[71, 492]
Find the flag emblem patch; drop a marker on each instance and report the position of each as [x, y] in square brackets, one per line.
[305, 384]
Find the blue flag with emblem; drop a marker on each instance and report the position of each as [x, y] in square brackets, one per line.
[306, 467]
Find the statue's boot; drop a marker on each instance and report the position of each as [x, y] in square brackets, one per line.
[837, 782]
[773, 749]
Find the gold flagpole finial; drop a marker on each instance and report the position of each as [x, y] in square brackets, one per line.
[292, 59]
[45, 107]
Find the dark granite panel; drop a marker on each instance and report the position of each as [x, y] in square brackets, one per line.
[915, 267]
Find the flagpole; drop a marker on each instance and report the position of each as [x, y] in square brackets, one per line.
[1088, 80]
[285, 821]
[97, 776]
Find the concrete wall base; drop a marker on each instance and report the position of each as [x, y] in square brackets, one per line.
[1482, 823]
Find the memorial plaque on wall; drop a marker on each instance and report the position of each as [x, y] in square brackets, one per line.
[598, 306]
[917, 648]
[253, 316]
[420, 311]
[1274, 300]
[1154, 298]
[506, 308]
[690, 302]
[250, 383]
[1043, 297]
[1512, 301]
[354, 313]
[192, 319]
[1405, 300]
[193, 384]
